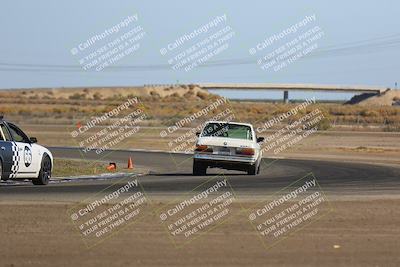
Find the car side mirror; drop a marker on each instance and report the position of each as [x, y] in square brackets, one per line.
[260, 139]
[33, 140]
[197, 134]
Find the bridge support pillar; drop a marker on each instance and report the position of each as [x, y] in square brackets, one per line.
[285, 97]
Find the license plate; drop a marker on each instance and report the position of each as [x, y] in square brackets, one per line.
[224, 151]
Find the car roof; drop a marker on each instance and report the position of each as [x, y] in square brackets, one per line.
[231, 122]
[3, 120]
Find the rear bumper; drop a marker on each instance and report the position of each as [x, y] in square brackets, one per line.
[225, 162]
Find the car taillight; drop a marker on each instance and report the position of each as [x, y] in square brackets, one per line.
[203, 148]
[245, 151]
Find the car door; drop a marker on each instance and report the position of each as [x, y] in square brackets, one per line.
[26, 155]
[6, 152]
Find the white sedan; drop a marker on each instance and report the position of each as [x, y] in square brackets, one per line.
[227, 145]
[21, 157]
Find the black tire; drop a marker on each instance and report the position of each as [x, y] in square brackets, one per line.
[254, 169]
[199, 168]
[44, 173]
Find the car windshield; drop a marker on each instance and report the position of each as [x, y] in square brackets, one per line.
[227, 130]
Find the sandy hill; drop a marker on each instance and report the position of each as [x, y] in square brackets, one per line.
[187, 91]
[387, 98]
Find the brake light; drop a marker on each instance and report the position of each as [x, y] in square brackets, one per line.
[203, 148]
[245, 151]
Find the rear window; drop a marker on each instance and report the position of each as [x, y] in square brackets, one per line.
[227, 130]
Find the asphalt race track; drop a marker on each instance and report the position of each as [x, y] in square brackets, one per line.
[171, 174]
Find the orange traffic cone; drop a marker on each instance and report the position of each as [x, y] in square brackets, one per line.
[130, 163]
[112, 167]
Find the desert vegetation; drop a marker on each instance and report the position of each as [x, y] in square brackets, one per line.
[166, 105]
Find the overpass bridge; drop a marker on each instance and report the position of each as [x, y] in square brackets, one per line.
[293, 87]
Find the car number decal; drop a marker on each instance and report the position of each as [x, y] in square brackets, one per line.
[27, 156]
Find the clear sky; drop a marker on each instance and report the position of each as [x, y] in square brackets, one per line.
[361, 42]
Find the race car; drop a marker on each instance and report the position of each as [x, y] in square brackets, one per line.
[21, 157]
[227, 145]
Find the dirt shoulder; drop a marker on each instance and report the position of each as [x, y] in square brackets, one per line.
[356, 233]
